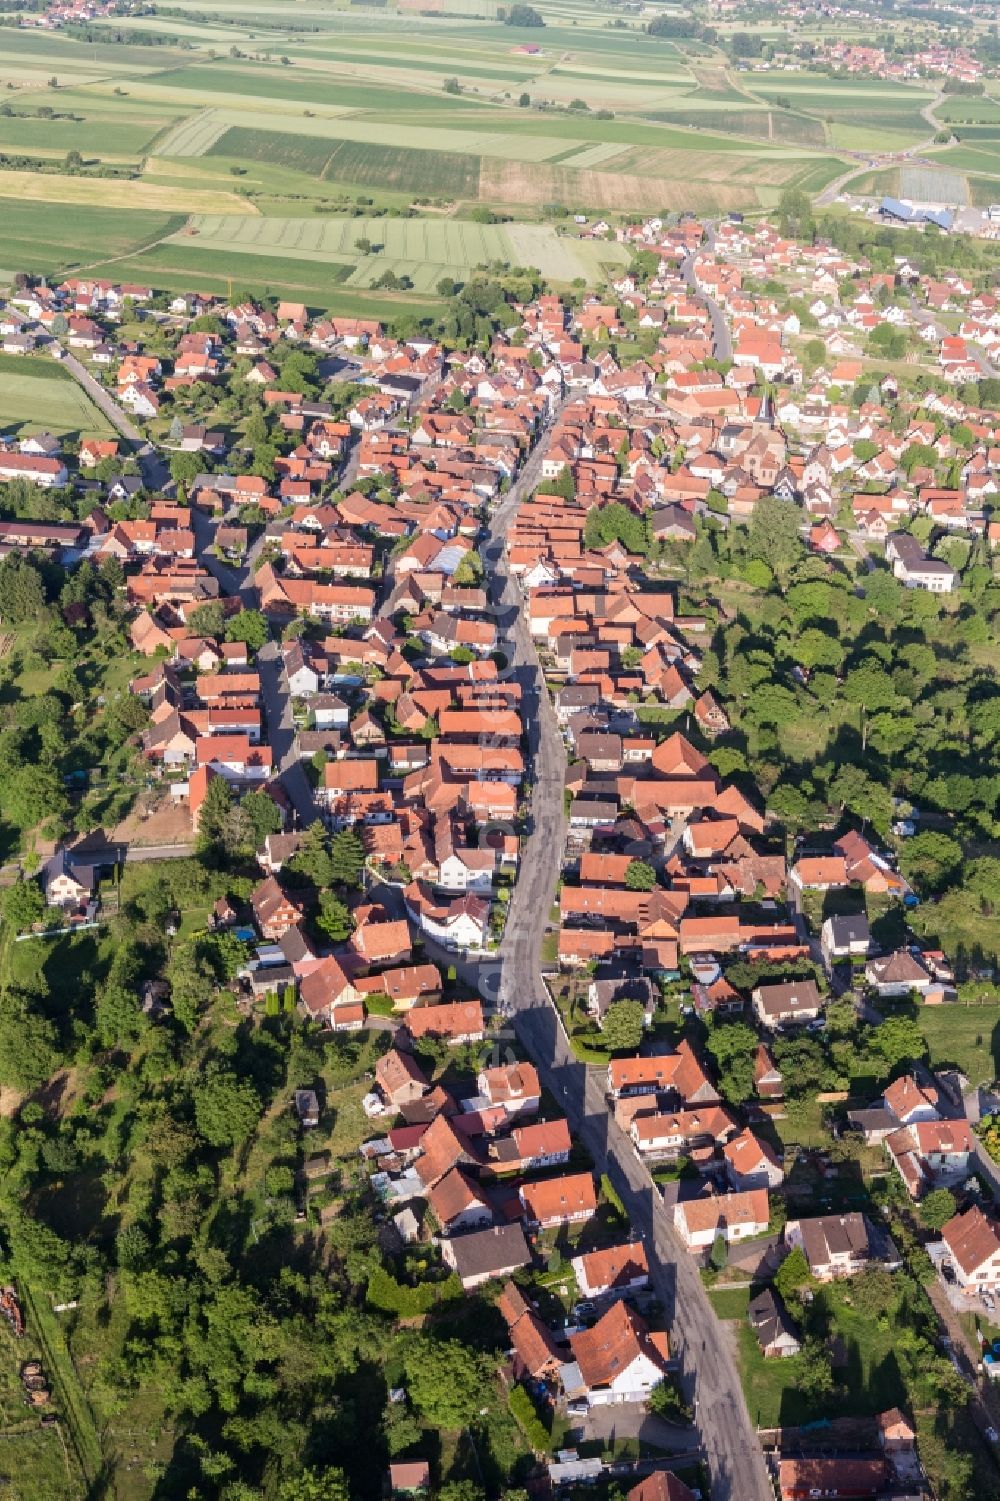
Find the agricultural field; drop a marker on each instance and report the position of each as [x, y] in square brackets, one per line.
[36, 393]
[425, 250]
[49, 237]
[304, 116]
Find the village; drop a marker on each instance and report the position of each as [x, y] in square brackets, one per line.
[323, 633]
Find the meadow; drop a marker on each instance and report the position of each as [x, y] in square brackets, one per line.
[37, 394]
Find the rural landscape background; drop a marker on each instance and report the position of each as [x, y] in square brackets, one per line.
[189, 147]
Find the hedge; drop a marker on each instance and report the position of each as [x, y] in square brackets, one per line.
[390, 1296]
[523, 1410]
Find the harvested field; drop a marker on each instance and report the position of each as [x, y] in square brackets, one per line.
[512, 182]
[699, 167]
[41, 187]
[194, 136]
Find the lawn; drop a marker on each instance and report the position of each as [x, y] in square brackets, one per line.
[37, 396]
[868, 1382]
[968, 1036]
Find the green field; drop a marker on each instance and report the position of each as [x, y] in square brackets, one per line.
[47, 238]
[36, 394]
[426, 249]
[414, 171]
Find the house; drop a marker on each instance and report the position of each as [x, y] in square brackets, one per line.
[274, 909]
[912, 566]
[535, 1352]
[454, 1021]
[618, 1360]
[751, 1163]
[513, 1086]
[835, 1245]
[482, 1255]
[973, 1242]
[662, 1485]
[613, 1272]
[307, 1108]
[774, 1329]
[897, 974]
[457, 1204]
[806, 1479]
[66, 884]
[845, 938]
[931, 1154]
[569, 1200]
[789, 1003]
[734, 1216]
[400, 1079]
[767, 1077]
[531, 1148]
[409, 1477]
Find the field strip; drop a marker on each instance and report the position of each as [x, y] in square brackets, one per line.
[506, 146]
[94, 192]
[194, 136]
[443, 244]
[590, 156]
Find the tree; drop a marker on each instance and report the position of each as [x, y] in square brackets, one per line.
[250, 627]
[937, 1208]
[874, 1292]
[898, 1040]
[774, 534]
[22, 594]
[931, 860]
[23, 905]
[226, 1108]
[333, 918]
[347, 859]
[32, 793]
[640, 876]
[523, 15]
[733, 1046]
[184, 468]
[524, 101]
[719, 1254]
[263, 816]
[216, 806]
[315, 1485]
[312, 860]
[28, 1044]
[623, 1026]
[469, 570]
[208, 620]
[447, 1381]
[815, 1377]
[792, 1275]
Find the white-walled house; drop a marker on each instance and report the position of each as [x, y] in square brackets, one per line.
[618, 1360]
[734, 1216]
[973, 1242]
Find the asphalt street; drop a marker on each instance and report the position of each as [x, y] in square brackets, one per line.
[710, 1380]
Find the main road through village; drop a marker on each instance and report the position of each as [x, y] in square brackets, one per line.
[711, 1381]
[515, 984]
